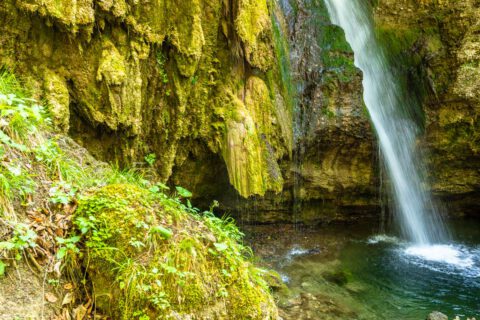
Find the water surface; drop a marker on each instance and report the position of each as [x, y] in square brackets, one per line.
[353, 272]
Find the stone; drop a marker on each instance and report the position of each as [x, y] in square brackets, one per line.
[435, 315]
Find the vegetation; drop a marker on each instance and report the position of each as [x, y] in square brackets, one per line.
[141, 251]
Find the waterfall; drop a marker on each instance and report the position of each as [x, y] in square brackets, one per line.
[394, 124]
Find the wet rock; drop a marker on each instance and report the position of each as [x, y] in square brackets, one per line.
[339, 277]
[435, 315]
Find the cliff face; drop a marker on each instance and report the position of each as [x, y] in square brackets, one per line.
[442, 39]
[335, 166]
[185, 81]
[333, 173]
[243, 99]
[206, 87]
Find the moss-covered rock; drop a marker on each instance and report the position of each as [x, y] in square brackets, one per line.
[148, 256]
[253, 25]
[58, 98]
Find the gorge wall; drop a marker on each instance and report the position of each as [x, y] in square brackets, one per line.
[442, 43]
[254, 103]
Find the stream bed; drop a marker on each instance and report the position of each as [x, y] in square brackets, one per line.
[355, 272]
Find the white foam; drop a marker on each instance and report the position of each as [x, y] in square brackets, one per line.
[383, 238]
[448, 254]
[297, 252]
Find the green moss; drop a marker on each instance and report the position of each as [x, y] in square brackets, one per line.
[406, 65]
[254, 28]
[249, 148]
[195, 267]
[69, 13]
[281, 77]
[112, 67]
[397, 40]
[187, 35]
[58, 99]
[336, 54]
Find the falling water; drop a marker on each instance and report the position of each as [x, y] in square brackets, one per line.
[394, 124]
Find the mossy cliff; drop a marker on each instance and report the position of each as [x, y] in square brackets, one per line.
[333, 172]
[335, 168]
[244, 99]
[229, 95]
[186, 81]
[439, 40]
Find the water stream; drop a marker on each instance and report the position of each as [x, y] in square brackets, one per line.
[394, 124]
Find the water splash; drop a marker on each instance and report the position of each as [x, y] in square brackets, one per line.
[383, 238]
[394, 124]
[454, 258]
[446, 254]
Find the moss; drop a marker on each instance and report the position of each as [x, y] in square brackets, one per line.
[188, 35]
[146, 255]
[280, 82]
[254, 28]
[398, 44]
[249, 147]
[396, 40]
[72, 14]
[112, 68]
[58, 99]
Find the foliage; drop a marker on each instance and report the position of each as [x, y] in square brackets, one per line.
[150, 159]
[161, 60]
[22, 238]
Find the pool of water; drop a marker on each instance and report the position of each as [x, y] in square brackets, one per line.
[355, 272]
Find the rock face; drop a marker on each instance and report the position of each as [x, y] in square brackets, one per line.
[335, 161]
[247, 100]
[204, 85]
[185, 81]
[333, 173]
[441, 38]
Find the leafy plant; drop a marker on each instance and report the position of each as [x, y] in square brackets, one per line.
[159, 188]
[194, 80]
[22, 239]
[150, 159]
[182, 192]
[62, 193]
[165, 233]
[161, 60]
[67, 246]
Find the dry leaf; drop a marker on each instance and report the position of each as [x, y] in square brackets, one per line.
[80, 312]
[57, 267]
[68, 298]
[50, 297]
